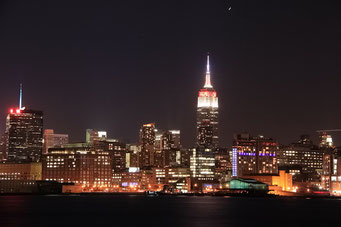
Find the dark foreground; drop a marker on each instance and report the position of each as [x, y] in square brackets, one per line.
[120, 211]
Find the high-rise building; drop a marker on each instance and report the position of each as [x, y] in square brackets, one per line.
[223, 164]
[331, 174]
[3, 147]
[166, 150]
[185, 159]
[158, 156]
[53, 140]
[147, 141]
[301, 159]
[158, 148]
[25, 135]
[133, 155]
[116, 149]
[253, 155]
[202, 164]
[202, 158]
[24, 132]
[207, 114]
[171, 148]
[171, 139]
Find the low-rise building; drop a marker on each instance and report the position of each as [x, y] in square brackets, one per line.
[242, 184]
[174, 174]
[53, 140]
[21, 171]
[78, 164]
[278, 183]
[30, 186]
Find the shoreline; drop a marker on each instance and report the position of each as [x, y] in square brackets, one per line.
[87, 194]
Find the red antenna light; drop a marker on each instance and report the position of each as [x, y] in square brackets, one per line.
[18, 111]
[11, 111]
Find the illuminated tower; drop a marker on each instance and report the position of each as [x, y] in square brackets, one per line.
[147, 142]
[207, 114]
[24, 131]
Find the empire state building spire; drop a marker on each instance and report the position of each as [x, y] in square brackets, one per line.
[208, 74]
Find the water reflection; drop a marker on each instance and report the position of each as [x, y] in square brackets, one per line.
[107, 210]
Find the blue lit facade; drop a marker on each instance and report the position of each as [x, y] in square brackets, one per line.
[234, 162]
[253, 155]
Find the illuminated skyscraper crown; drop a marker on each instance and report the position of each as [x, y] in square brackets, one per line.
[208, 96]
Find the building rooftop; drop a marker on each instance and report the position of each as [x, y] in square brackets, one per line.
[247, 180]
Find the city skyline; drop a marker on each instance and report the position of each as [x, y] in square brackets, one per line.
[104, 81]
[207, 85]
[170, 113]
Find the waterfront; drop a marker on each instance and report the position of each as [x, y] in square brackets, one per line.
[120, 211]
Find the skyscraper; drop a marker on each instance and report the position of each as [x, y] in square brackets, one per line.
[171, 148]
[207, 114]
[147, 141]
[25, 135]
[171, 139]
[158, 152]
[24, 129]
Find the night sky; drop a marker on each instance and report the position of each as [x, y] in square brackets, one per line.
[114, 65]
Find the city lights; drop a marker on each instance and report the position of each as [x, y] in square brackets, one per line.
[170, 113]
[158, 162]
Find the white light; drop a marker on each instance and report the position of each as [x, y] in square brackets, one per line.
[208, 102]
[134, 169]
[102, 134]
[174, 131]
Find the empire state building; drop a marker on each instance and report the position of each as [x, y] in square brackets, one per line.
[207, 114]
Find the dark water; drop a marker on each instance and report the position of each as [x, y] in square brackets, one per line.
[120, 211]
